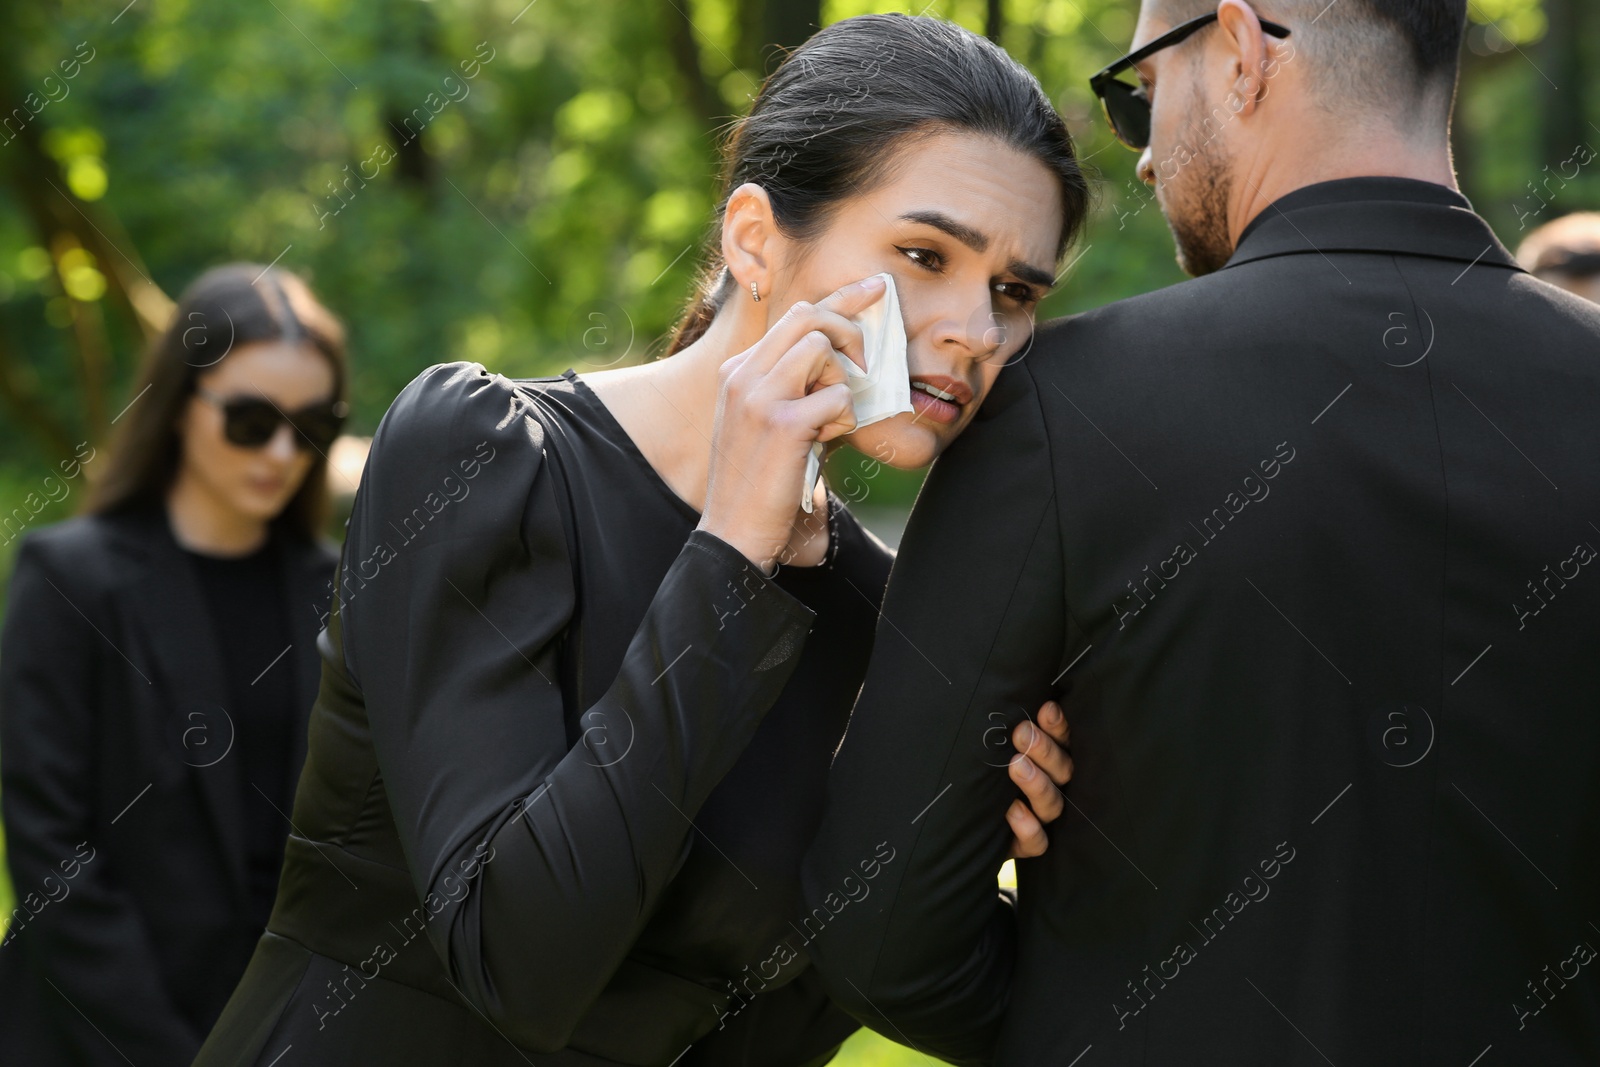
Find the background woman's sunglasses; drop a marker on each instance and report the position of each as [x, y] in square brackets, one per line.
[250, 421]
[1128, 106]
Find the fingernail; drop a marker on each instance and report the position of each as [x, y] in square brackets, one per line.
[872, 283]
[1026, 768]
[1026, 735]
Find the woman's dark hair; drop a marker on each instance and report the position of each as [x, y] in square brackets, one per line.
[225, 308]
[831, 119]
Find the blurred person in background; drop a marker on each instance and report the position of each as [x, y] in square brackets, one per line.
[157, 666]
[1566, 252]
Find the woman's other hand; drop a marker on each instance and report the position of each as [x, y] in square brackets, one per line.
[777, 398]
[1040, 768]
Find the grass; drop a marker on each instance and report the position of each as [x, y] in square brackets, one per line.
[867, 1049]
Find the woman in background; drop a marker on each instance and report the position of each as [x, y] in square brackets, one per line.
[157, 666]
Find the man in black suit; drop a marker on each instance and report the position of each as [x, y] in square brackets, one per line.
[1307, 545]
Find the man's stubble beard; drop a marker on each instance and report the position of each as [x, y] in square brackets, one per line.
[1198, 214]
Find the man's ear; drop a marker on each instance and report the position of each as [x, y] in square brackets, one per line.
[1248, 49]
[750, 236]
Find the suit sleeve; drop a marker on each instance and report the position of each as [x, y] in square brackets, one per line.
[76, 926]
[972, 628]
[543, 847]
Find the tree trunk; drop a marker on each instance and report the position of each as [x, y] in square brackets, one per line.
[18, 394]
[703, 96]
[750, 51]
[789, 23]
[1563, 125]
[60, 221]
[94, 350]
[49, 207]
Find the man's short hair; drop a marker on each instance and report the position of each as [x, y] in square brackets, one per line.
[1376, 55]
[1568, 247]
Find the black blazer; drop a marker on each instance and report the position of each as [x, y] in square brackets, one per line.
[1310, 546]
[123, 817]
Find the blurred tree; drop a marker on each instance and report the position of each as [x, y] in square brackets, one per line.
[789, 22]
[524, 184]
[1564, 56]
[412, 30]
[994, 20]
[55, 178]
[702, 94]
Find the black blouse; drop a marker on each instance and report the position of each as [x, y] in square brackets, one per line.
[578, 744]
[245, 607]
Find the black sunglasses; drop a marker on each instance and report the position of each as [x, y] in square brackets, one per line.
[1572, 264]
[251, 421]
[1128, 106]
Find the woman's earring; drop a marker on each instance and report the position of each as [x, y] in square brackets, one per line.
[755, 292]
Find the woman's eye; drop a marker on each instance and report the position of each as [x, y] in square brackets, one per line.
[1023, 295]
[922, 257]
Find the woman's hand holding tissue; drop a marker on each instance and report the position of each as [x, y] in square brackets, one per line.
[777, 399]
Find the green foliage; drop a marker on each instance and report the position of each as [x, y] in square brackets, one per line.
[523, 185]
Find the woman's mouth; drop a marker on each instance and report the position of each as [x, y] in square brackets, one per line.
[939, 398]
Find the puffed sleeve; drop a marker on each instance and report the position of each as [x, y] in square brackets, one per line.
[973, 624]
[541, 859]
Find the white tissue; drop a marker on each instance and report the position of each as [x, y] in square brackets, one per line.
[882, 390]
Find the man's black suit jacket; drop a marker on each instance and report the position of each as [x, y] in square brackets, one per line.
[124, 805]
[1309, 545]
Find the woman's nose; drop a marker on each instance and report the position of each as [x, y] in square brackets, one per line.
[959, 319]
[977, 333]
[1146, 167]
[283, 446]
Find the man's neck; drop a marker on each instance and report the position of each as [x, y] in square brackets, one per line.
[1360, 155]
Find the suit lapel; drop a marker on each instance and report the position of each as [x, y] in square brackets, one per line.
[167, 600]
